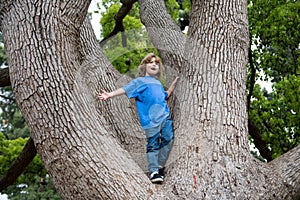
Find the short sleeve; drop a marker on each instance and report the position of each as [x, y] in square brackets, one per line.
[131, 88]
[166, 95]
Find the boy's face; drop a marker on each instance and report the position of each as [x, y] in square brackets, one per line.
[152, 68]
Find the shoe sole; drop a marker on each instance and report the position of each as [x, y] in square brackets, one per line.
[157, 180]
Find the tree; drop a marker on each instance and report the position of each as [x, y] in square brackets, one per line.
[275, 29]
[94, 149]
[18, 167]
[274, 56]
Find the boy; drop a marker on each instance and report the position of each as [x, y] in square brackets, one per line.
[153, 113]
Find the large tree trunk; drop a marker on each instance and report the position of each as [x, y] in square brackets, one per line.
[95, 150]
[55, 79]
[211, 160]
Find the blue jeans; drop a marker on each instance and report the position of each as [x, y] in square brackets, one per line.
[160, 141]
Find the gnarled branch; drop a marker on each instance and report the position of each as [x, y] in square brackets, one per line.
[119, 16]
[288, 168]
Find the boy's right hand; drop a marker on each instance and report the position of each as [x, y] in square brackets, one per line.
[104, 95]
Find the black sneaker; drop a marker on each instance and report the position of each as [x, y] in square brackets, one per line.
[161, 172]
[156, 178]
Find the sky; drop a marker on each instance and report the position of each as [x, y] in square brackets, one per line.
[3, 196]
[95, 17]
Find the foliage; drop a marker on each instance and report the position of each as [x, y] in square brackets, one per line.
[183, 13]
[125, 50]
[12, 123]
[173, 8]
[2, 52]
[9, 151]
[274, 27]
[277, 115]
[2, 56]
[41, 189]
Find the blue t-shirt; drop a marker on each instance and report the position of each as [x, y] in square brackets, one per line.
[150, 100]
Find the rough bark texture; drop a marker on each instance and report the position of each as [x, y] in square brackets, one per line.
[49, 74]
[95, 150]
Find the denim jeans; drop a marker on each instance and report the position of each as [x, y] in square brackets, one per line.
[160, 141]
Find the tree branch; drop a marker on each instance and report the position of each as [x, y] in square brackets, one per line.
[164, 33]
[4, 77]
[288, 168]
[19, 165]
[259, 143]
[252, 77]
[120, 15]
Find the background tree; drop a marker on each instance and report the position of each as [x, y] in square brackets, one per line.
[33, 182]
[274, 57]
[71, 136]
[126, 48]
[13, 124]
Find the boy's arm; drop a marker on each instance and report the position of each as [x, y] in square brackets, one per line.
[172, 87]
[106, 95]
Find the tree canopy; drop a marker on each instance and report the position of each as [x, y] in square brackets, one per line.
[274, 57]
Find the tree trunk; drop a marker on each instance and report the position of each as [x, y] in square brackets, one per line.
[54, 77]
[95, 150]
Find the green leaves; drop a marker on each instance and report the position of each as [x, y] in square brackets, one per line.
[12, 123]
[9, 151]
[2, 52]
[125, 50]
[275, 24]
[277, 115]
[31, 177]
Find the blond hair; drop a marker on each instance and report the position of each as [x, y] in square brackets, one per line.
[147, 59]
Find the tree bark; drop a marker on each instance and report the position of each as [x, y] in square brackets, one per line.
[48, 70]
[212, 161]
[95, 150]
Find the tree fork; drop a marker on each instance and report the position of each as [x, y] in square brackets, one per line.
[105, 171]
